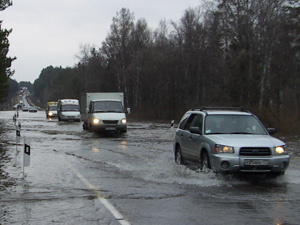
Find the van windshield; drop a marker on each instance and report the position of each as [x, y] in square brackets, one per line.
[108, 106]
[53, 107]
[69, 108]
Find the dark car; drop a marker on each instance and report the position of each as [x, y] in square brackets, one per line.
[25, 108]
[32, 109]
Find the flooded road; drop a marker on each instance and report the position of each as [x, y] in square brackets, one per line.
[78, 177]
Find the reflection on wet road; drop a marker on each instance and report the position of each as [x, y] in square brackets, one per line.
[73, 172]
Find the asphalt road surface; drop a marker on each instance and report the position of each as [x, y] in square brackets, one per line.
[79, 177]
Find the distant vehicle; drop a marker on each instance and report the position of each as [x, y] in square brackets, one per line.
[25, 108]
[68, 110]
[32, 109]
[103, 112]
[51, 109]
[18, 106]
[228, 140]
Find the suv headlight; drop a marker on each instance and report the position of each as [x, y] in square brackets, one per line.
[123, 121]
[223, 149]
[280, 150]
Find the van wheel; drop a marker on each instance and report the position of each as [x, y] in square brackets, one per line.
[84, 126]
[204, 162]
[90, 127]
[178, 156]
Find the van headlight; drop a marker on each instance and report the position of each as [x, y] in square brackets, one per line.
[223, 149]
[50, 114]
[96, 121]
[123, 121]
[280, 150]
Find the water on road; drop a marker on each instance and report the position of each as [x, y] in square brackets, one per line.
[79, 177]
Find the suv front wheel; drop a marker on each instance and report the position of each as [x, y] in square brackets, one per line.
[178, 156]
[204, 162]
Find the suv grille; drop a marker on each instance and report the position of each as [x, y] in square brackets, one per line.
[255, 151]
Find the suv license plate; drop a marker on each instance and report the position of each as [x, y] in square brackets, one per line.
[257, 162]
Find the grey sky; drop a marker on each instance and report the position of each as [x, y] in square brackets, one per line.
[50, 32]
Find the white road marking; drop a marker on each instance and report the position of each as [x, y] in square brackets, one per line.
[100, 197]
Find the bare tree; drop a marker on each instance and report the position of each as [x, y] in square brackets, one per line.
[116, 47]
[141, 41]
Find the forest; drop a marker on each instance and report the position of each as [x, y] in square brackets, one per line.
[222, 53]
[5, 61]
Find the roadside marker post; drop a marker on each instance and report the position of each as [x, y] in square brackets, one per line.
[18, 134]
[26, 154]
[18, 138]
[172, 126]
[15, 118]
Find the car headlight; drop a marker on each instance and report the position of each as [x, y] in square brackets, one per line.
[280, 150]
[223, 149]
[96, 121]
[123, 121]
[50, 114]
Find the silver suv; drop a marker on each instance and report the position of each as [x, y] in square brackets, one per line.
[228, 140]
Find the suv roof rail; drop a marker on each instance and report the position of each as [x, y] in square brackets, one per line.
[218, 108]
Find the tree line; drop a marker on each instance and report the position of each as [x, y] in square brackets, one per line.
[225, 53]
[5, 62]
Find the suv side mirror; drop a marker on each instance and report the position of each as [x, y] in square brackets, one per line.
[195, 130]
[271, 130]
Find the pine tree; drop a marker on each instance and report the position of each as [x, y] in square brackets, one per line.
[5, 62]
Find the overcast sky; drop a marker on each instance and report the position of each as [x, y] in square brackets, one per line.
[50, 32]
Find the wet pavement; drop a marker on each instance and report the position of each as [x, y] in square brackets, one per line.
[78, 177]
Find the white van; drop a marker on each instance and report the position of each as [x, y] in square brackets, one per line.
[68, 110]
[51, 109]
[104, 112]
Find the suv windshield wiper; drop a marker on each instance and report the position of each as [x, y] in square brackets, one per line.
[241, 133]
[214, 133]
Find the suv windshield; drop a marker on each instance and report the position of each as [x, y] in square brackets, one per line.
[233, 124]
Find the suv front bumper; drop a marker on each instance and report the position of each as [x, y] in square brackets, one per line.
[233, 163]
[110, 128]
